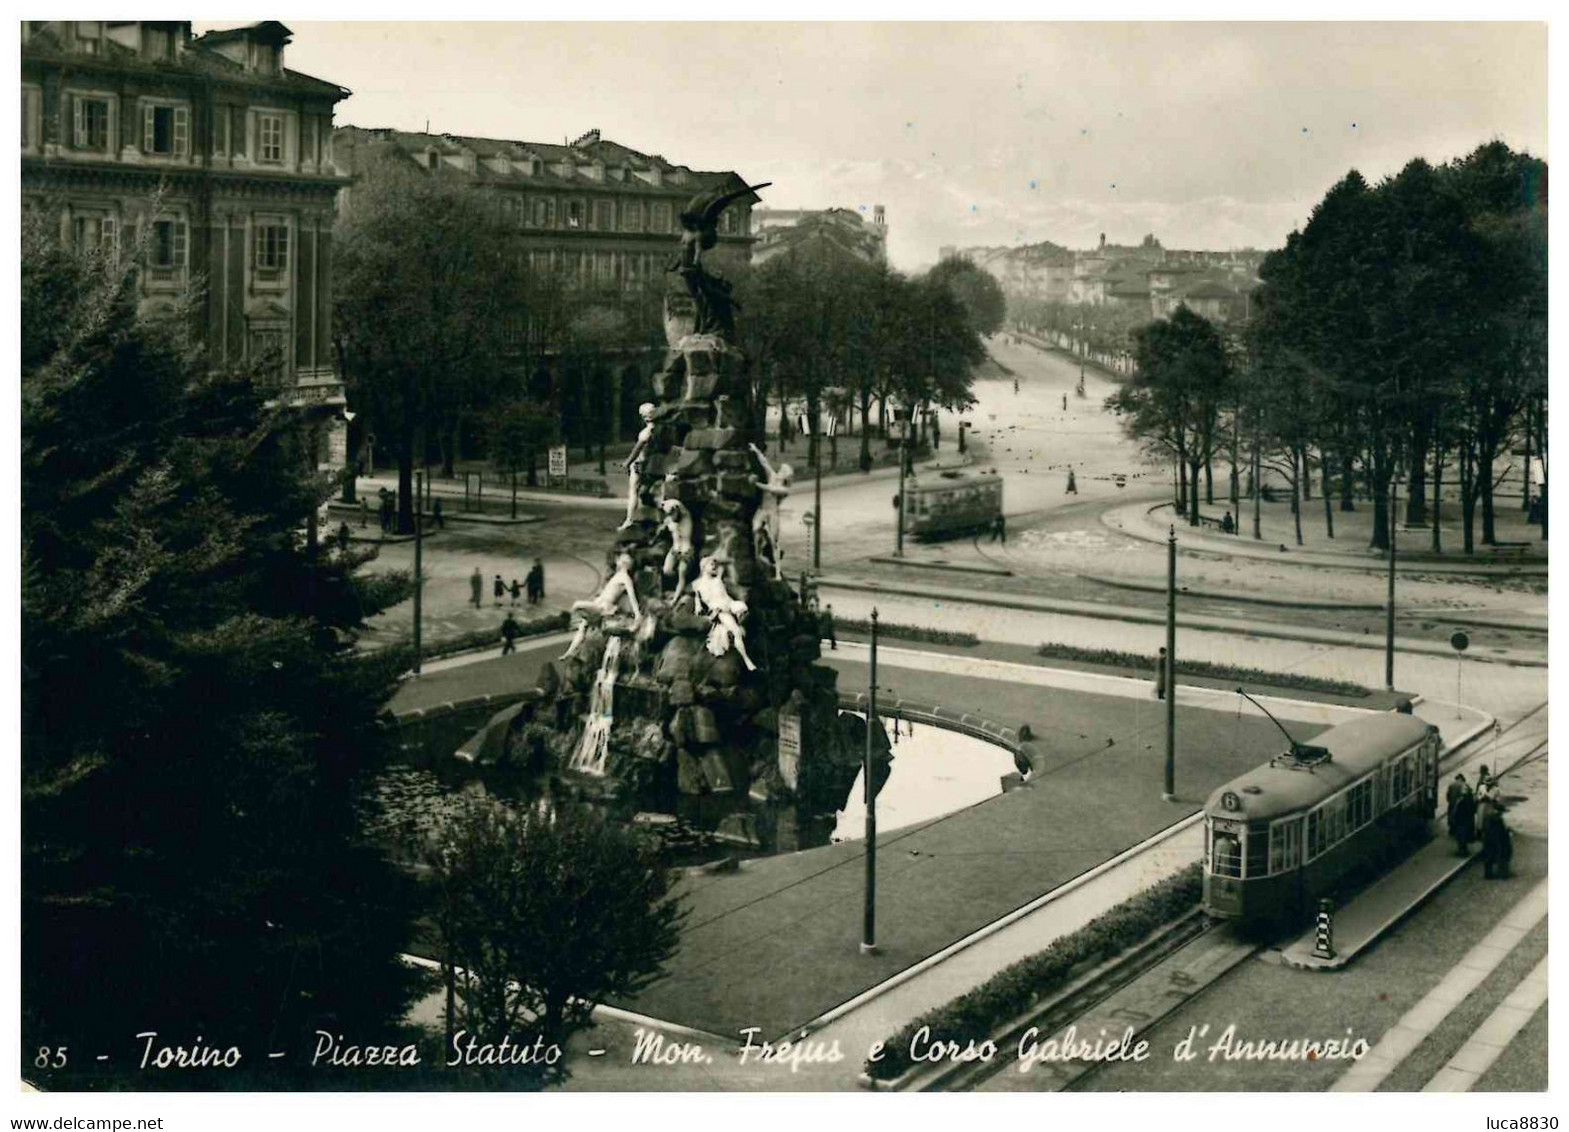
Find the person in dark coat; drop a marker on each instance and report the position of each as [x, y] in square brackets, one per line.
[344, 535]
[435, 514]
[1456, 791]
[515, 591]
[1160, 675]
[535, 582]
[1000, 530]
[477, 588]
[1228, 525]
[1496, 848]
[498, 590]
[510, 632]
[1462, 822]
[1073, 484]
[826, 620]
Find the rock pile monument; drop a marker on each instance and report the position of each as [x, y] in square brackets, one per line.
[690, 684]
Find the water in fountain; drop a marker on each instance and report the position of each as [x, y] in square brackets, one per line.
[595, 744]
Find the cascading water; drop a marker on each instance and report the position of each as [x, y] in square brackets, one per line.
[593, 748]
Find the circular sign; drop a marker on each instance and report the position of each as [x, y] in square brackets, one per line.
[1229, 801]
[1459, 641]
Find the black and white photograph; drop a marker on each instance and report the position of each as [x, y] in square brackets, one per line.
[842, 554]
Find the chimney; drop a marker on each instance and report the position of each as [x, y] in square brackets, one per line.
[1103, 241]
[590, 138]
[878, 217]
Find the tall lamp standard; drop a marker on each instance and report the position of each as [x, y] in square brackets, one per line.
[419, 573]
[1169, 677]
[1389, 604]
[904, 442]
[869, 793]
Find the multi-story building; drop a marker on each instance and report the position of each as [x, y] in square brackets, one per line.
[594, 215]
[215, 159]
[783, 230]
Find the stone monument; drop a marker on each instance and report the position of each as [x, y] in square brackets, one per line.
[707, 698]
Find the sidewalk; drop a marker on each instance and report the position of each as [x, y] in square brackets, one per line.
[1152, 524]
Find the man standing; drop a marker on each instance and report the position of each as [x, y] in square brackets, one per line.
[476, 587]
[1456, 791]
[1073, 484]
[1160, 675]
[1000, 530]
[510, 631]
[827, 627]
[536, 582]
[1462, 822]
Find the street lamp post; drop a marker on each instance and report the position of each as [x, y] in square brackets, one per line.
[1170, 675]
[869, 794]
[904, 440]
[817, 504]
[1389, 604]
[419, 574]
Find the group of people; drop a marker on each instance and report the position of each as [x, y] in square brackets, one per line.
[387, 508]
[1478, 814]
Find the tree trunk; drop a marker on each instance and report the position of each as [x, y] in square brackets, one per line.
[1487, 451]
[1347, 486]
[1182, 484]
[1194, 466]
[1298, 470]
[1416, 496]
[1525, 477]
[533, 469]
[1301, 458]
[1328, 494]
[1253, 474]
[1468, 497]
[866, 434]
[1209, 481]
[1381, 519]
[1438, 497]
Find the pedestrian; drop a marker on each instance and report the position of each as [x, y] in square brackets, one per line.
[1160, 675]
[1016, 386]
[515, 591]
[386, 510]
[1457, 788]
[476, 587]
[498, 589]
[1065, 402]
[535, 582]
[364, 512]
[1462, 822]
[510, 632]
[343, 537]
[1000, 529]
[1073, 484]
[826, 623]
[1496, 848]
[1228, 525]
[1486, 788]
[435, 514]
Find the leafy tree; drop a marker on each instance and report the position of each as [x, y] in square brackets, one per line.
[543, 916]
[429, 307]
[519, 431]
[1173, 402]
[193, 726]
[984, 304]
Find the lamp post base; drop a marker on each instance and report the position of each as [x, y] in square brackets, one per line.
[1165, 797]
[870, 949]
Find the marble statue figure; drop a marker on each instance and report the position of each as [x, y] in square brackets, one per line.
[633, 464]
[607, 603]
[711, 596]
[775, 486]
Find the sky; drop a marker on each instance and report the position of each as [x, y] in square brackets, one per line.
[1208, 135]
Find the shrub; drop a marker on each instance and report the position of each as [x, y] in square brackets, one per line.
[907, 632]
[986, 1009]
[491, 638]
[1145, 663]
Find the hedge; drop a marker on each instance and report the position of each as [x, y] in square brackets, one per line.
[1114, 659]
[907, 632]
[979, 1014]
[491, 638]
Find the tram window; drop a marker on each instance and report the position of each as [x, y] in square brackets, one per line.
[1285, 845]
[1226, 860]
[1361, 804]
[1257, 863]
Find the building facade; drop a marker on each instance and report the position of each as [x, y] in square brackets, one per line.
[780, 231]
[212, 157]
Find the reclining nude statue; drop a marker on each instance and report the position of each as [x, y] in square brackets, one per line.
[709, 594]
[607, 603]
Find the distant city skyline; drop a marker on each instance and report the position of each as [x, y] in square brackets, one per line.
[1207, 135]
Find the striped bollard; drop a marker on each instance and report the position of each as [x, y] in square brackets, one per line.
[1324, 936]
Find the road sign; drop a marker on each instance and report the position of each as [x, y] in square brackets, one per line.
[1459, 641]
[558, 460]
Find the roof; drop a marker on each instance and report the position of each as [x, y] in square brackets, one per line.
[1355, 748]
[1210, 290]
[675, 179]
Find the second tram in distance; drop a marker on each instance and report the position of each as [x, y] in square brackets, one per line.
[1282, 835]
[951, 503]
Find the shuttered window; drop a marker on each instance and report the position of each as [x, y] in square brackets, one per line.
[168, 246]
[90, 124]
[166, 130]
[269, 139]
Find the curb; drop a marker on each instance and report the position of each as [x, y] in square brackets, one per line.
[1211, 595]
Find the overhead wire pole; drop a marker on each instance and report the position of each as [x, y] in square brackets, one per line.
[1170, 793]
[817, 501]
[419, 574]
[869, 793]
[1389, 603]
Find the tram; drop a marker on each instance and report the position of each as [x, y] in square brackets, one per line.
[1281, 836]
[951, 503]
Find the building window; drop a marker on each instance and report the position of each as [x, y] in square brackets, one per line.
[168, 245]
[659, 217]
[544, 212]
[269, 138]
[266, 348]
[604, 215]
[727, 223]
[89, 36]
[31, 100]
[311, 136]
[166, 130]
[91, 127]
[605, 269]
[632, 216]
[272, 246]
[93, 231]
[574, 214]
[158, 43]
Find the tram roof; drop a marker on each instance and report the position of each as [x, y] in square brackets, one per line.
[948, 480]
[1272, 790]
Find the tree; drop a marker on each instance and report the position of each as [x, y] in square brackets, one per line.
[984, 304]
[194, 727]
[518, 431]
[429, 306]
[1173, 402]
[542, 916]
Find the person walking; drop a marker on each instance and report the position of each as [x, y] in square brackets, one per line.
[1496, 848]
[1160, 675]
[515, 591]
[477, 588]
[1073, 484]
[344, 535]
[536, 582]
[1000, 530]
[1228, 525]
[435, 513]
[1457, 789]
[364, 512]
[1065, 402]
[827, 627]
[1462, 822]
[510, 632]
[498, 589]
